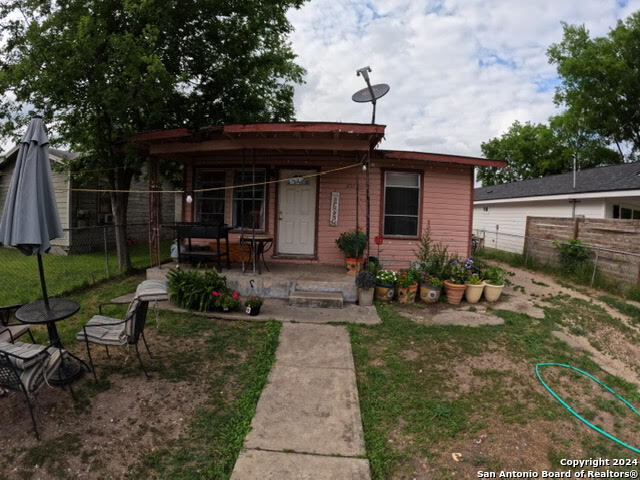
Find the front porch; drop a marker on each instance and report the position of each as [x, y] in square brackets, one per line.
[283, 281]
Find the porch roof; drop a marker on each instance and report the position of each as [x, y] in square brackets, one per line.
[437, 157]
[303, 136]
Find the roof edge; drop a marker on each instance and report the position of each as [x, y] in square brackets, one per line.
[441, 158]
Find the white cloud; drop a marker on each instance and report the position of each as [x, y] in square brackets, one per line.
[461, 71]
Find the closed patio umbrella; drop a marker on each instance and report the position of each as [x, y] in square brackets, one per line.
[30, 217]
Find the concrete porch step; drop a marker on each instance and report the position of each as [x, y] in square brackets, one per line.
[316, 299]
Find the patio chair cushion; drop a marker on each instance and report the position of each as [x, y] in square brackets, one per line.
[38, 361]
[153, 290]
[34, 377]
[15, 331]
[104, 331]
[29, 353]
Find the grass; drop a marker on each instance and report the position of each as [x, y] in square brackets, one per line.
[227, 362]
[415, 411]
[64, 273]
[582, 274]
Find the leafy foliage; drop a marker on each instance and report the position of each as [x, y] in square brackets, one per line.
[538, 150]
[573, 253]
[365, 280]
[600, 79]
[494, 275]
[433, 257]
[192, 289]
[100, 71]
[352, 244]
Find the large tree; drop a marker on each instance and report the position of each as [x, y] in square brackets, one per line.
[102, 70]
[600, 79]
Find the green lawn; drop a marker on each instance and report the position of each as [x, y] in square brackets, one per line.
[218, 367]
[429, 391]
[20, 280]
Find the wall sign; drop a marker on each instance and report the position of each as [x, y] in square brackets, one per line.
[335, 209]
[298, 181]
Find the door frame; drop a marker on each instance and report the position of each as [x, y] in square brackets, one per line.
[276, 253]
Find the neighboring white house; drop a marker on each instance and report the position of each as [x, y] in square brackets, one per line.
[80, 211]
[501, 211]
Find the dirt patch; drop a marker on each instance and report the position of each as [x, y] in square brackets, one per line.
[105, 435]
[446, 314]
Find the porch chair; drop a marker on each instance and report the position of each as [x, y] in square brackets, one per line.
[10, 332]
[25, 367]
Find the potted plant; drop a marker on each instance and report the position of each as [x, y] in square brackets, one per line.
[430, 288]
[352, 245]
[226, 301]
[253, 305]
[454, 286]
[494, 283]
[475, 287]
[365, 281]
[407, 283]
[385, 284]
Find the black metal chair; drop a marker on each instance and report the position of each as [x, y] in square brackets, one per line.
[108, 331]
[10, 332]
[25, 368]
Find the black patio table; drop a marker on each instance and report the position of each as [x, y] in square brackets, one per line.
[36, 313]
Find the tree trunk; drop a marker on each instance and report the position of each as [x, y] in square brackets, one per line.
[119, 205]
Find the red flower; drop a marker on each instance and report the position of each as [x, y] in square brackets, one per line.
[216, 294]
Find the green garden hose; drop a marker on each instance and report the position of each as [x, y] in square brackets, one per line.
[578, 416]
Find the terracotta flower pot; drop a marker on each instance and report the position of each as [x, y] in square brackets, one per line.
[454, 292]
[429, 293]
[473, 293]
[384, 293]
[365, 296]
[492, 292]
[407, 294]
[354, 265]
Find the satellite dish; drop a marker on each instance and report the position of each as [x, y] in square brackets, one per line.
[371, 93]
[365, 95]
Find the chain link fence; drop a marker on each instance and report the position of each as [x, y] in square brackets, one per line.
[614, 266]
[82, 257]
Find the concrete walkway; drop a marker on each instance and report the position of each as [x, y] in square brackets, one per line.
[307, 424]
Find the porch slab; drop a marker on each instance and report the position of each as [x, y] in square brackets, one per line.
[282, 281]
[300, 298]
[261, 464]
[281, 311]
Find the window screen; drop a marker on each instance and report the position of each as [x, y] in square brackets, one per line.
[248, 202]
[401, 203]
[210, 205]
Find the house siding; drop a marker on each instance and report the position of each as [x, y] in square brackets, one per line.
[511, 218]
[446, 205]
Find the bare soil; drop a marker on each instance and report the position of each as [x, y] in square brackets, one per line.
[107, 434]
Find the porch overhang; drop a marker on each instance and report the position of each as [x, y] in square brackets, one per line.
[290, 136]
[437, 157]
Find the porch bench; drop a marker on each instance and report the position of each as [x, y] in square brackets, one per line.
[187, 231]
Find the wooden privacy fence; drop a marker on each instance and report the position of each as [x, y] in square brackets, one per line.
[614, 244]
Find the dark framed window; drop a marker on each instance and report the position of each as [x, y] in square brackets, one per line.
[249, 202]
[626, 213]
[209, 206]
[401, 203]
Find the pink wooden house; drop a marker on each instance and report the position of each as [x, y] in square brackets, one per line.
[305, 214]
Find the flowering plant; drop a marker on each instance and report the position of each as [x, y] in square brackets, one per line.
[460, 271]
[226, 300]
[431, 280]
[386, 277]
[407, 279]
[253, 302]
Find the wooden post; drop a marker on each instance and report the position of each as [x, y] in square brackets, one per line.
[154, 212]
[368, 224]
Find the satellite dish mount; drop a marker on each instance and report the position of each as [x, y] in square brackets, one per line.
[371, 93]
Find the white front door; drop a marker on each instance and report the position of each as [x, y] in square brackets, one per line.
[297, 213]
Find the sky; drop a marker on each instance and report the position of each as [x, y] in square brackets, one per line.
[461, 71]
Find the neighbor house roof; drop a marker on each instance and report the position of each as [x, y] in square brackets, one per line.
[625, 176]
[55, 155]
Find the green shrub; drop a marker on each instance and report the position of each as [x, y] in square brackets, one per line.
[352, 244]
[572, 254]
[192, 289]
[432, 256]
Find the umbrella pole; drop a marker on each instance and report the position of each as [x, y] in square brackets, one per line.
[43, 283]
